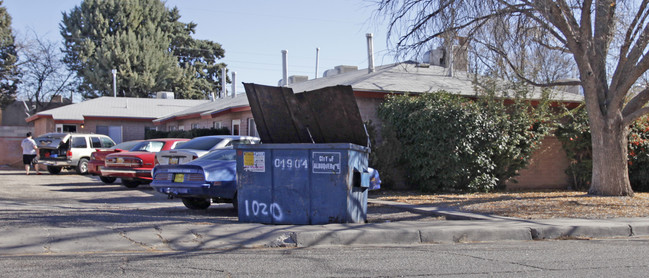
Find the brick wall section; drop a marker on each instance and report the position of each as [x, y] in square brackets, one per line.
[546, 170]
[10, 138]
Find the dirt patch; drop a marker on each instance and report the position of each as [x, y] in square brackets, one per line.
[529, 205]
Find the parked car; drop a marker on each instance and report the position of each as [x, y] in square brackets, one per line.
[69, 150]
[200, 146]
[134, 167]
[210, 178]
[97, 159]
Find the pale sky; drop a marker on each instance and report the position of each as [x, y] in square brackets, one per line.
[253, 33]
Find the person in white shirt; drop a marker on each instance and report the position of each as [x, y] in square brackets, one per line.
[30, 151]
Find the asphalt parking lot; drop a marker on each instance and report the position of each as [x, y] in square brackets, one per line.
[68, 199]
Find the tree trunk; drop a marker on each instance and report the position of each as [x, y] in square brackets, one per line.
[610, 162]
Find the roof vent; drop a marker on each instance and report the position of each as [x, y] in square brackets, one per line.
[339, 70]
[165, 95]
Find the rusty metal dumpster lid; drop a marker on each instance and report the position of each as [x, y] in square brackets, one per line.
[327, 115]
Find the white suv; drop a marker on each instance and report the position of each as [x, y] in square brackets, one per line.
[69, 150]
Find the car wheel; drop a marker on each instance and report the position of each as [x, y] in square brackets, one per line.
[54, 170]
[130, 183]
[196, 203]
[82, 167]
[107, 180]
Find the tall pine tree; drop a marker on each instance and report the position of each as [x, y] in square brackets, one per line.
[147, 44]
[9, 74]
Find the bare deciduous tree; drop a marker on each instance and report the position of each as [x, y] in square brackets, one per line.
[606, 40]
[44, 74]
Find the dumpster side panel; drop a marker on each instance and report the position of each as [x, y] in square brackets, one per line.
[254, 186]
[329, 173]
[291, 186]
[357, 197]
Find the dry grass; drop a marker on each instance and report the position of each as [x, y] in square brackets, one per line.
[531, 205]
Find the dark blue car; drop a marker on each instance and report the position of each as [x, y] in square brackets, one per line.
[210, 178]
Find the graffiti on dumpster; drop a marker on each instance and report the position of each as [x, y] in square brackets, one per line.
[263, 209]
[326, 162]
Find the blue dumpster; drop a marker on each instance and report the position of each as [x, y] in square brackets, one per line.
[302, 183]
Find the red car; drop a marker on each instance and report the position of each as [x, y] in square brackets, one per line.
[134, 167]
[97, 159]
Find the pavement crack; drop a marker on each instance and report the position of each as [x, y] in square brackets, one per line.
[138, 243]
[197, 237]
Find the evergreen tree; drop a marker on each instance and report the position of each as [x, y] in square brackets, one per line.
[9, 74]
[147, 44]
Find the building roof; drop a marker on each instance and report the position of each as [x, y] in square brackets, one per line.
[409, 77]
[120, 107]
[207, 110]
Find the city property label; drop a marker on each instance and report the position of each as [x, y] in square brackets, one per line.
[326, 162]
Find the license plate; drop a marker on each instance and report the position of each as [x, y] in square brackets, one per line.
[179, 177]
[173, 160]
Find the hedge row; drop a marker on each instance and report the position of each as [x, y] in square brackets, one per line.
[447, 143]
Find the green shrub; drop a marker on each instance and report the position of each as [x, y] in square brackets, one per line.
[448, 143]
[574, 134]
[639, 155]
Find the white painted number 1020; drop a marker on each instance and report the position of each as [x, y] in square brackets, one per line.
[264, 209]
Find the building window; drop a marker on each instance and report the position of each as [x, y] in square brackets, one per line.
[194, 126]
[216, 125]
[66, 128]
[235, 127]
[252, 128]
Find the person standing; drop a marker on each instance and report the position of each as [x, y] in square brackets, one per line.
[29, 153]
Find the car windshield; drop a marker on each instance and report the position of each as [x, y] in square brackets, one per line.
[128, 145]
[148, 146]
[228, 154]
[201, 143]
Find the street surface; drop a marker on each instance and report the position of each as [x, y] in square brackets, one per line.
[75, 226]
[574, 258]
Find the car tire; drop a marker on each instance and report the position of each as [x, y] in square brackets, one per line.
[54, 170]
[107, 180]
[82, 167]
[130, 183]
[196, 203]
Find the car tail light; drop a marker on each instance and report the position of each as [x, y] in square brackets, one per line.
[69, 153]
[163, 176]
[195, 177]
[124, 161]
[194, 157]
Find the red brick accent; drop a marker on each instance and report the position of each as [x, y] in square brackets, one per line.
[547, 170]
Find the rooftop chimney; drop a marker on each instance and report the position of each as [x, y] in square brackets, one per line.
[224, 80]
[234, 84]
[317, 58]
[284, 68]
[370, 53]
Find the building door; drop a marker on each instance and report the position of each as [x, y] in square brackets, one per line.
[235, 127]
[114, 132]
[252, 128]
